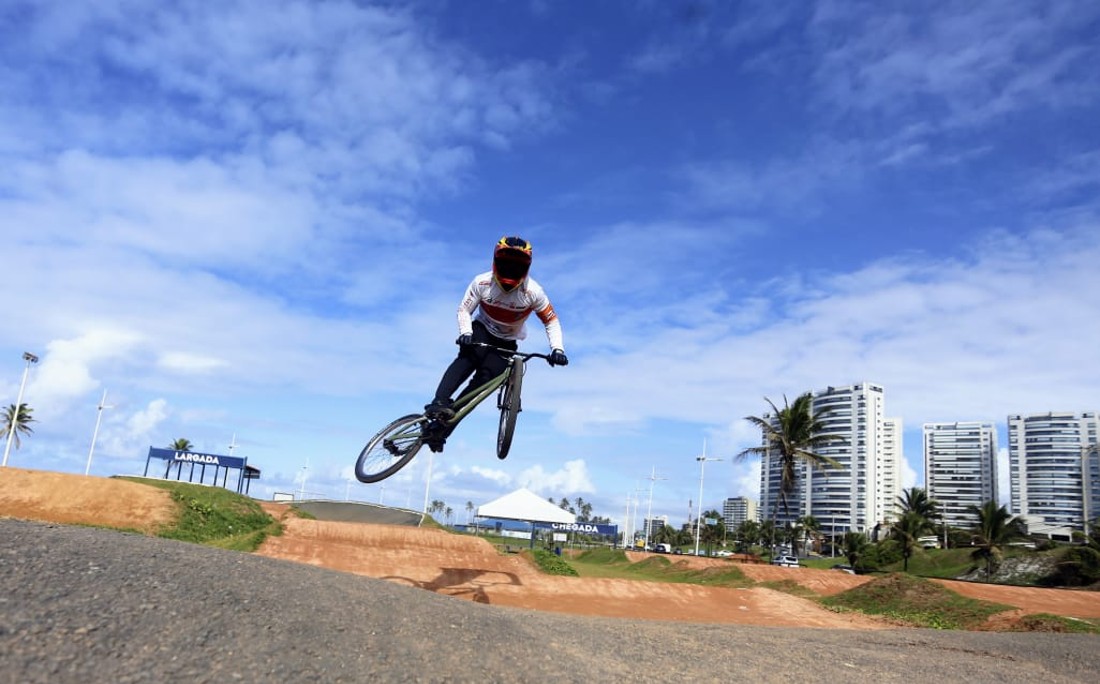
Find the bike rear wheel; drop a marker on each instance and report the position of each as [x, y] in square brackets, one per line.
[509, 408]
[391, 449]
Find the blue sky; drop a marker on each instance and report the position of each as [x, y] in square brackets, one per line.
[253, 221]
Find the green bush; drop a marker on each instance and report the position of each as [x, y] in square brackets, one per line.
[552, 564]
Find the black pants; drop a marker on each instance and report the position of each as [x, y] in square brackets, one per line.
[484, 364]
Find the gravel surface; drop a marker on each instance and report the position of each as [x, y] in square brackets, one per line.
[92, 605]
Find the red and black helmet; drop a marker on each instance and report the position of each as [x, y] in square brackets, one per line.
[511, 261]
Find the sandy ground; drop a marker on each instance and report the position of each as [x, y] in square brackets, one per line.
[471, 568]
[75, 499]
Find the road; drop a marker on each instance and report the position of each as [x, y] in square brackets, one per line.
[83, 605]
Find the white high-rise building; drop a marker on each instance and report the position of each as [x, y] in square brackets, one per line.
[737, 510]
[960, 468]
[889, 479]
[1054, 473]
[859, 495]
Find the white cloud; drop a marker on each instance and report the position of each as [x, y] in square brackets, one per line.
[976, 61]
[572, 478]
[127, 436]
[189, 363]
[964, 339]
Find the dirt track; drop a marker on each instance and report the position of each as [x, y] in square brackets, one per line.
[470, 568]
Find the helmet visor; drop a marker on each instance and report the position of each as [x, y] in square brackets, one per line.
[511, 267]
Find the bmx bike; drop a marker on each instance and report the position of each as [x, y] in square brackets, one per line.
[396, 444]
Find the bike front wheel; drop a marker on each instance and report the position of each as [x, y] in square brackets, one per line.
[509, 408]
[391, 449]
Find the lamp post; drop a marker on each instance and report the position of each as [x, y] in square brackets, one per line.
[30, 359]
[699, 517]
[95, 433]
[648, 522]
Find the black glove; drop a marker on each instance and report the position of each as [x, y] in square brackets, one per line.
[464, 339]
[558, 358]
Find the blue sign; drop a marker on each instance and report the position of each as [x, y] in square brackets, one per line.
[197, 458]
[582, 527]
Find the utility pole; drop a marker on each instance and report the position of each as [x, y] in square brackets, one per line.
[30, 359]
[95, 433]
[699, 518]
[648, 522]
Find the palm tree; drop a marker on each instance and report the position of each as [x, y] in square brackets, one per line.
[916, 499]
[907, 530]
[808, 528]
[996, 527]
[790, 436]
[855, 543]
[748, 533]
[181, 444]
[709, 535]
[584, 509]
[469, 511]
[22, 419]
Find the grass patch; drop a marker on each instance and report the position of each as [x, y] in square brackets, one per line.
[551, 563]
[215, 517]
[1045, 622]
[915, 602]
[613, 564]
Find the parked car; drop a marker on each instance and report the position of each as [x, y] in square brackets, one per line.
[786, 561]
[663, 548]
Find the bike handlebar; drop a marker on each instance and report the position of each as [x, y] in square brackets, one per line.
[512, 352]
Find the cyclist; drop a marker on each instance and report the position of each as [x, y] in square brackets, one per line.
[502, 298]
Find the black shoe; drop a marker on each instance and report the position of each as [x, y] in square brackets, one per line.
[439, 409]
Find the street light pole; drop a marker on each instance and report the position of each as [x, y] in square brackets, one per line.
[648, 522]
[95, 433]
[699, 516]
[30, 359]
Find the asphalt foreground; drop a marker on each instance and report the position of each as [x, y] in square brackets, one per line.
[83, 604]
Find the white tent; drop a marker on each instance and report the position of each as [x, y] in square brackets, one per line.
[526, 506]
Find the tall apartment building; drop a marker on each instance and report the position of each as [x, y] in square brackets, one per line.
[960, 468]
[1054, 472]
[651, 525]
[737, 510]
[862, 492]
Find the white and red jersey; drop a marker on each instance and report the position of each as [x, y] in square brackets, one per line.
[505, 313]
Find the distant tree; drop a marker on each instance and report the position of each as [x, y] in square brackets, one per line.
[915, 499]
[181, 444]
[791, 435]
[665, 534]
[583, 510]
[748, 533]
[996, 527]
[854, 543]
[22, 419]
[436, 506]
[1079, 566]
[469, 511]
[906, 531]
[808, 528]
[711, 535]
[766, 533]
[449, 515]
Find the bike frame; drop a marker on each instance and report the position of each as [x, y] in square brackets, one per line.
[469, 401]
